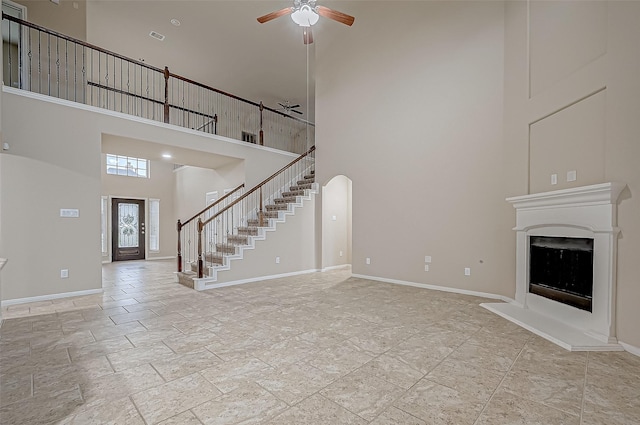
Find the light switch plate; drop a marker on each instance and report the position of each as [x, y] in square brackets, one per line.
[571, 176]
[554, 179]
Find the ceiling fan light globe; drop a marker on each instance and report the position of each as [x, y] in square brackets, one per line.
[305, 16]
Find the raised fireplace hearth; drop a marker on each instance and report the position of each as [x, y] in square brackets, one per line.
[566, 245]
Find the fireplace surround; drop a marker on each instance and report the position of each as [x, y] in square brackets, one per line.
[576, 214]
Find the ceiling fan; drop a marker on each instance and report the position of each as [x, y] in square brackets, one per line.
[305, 13]
[288, 108]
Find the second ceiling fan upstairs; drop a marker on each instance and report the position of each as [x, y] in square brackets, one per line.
[305, 13]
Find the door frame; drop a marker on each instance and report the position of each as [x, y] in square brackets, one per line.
[24, 73]
[109, 257]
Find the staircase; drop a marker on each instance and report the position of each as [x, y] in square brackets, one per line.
[236, 222]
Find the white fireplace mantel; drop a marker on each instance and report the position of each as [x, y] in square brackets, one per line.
[584, 212]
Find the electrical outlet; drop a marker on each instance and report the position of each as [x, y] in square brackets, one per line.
[64, 273]
[554, 179]
[341, 253]
[467, 271]
[368, 260]
[426, 267]
[277, 260]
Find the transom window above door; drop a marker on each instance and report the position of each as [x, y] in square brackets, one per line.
[127, 166]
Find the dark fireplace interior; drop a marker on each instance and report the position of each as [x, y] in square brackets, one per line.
[561, 269]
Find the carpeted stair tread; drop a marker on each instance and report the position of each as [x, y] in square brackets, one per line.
[301, 187]
[249, 231]
[238, 239]
[293, 193]
[277, 207]
[225, 248]
[285, 200]
[256, 222]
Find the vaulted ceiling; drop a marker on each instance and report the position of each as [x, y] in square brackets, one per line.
[219, 43]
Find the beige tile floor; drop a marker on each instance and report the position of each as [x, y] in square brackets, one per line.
[322, 348]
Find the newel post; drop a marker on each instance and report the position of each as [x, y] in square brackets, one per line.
[261, 130]
[166, 94]
[179, 247]
[260, 213]
[200, 255]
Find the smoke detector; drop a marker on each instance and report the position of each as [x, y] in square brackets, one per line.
[156, 35]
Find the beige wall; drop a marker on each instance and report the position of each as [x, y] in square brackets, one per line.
[336, 234]
[193, 183]
[573, 104]
[422, 141]
[69, 17]
[158, 186]
[57, 164]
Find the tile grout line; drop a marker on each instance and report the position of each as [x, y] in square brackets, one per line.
[137, 409]
[584, 386]
[484, 408]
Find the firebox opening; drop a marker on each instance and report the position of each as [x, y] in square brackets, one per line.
[561, 269]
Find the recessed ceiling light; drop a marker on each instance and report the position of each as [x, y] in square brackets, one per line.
[166, 155]
[156, 35]
[175, 22]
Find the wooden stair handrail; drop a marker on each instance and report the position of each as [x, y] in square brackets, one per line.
[259, 185]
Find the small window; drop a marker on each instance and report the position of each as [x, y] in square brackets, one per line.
[248, 137]
[104, 211]
[127, 166]
[154, 225]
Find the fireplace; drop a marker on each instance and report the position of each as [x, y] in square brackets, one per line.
[561, 269]
[566, 246]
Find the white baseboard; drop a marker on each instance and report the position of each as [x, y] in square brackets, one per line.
[201, 284]
[338, 267]
[630, 348]
[146, 259]
[50, 297]
[437, 288]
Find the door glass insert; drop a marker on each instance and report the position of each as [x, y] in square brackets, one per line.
[128, 225]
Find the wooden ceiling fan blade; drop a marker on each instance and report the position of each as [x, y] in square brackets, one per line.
[273, 15]
[343, 18]
[307, 35]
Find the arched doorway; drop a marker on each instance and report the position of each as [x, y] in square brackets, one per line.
[336, 222]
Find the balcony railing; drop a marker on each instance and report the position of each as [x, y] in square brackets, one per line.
[47, 62]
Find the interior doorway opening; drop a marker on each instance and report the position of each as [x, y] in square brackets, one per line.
[336, 222]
